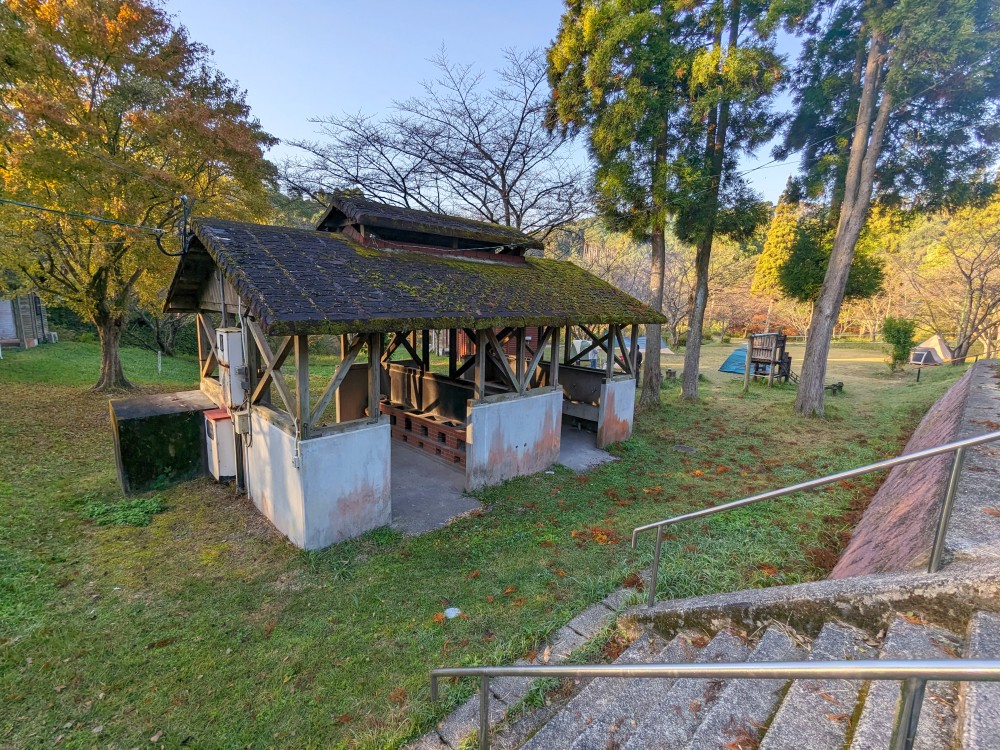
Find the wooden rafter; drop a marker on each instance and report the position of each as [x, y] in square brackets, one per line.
[350, 354]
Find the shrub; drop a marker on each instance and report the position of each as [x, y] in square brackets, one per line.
[898, 333]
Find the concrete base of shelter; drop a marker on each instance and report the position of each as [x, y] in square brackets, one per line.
[426, 493]
[335, 487]
[512, 435]
[616, 410]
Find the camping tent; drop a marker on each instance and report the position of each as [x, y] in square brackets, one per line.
[736, 362]
[933, 351]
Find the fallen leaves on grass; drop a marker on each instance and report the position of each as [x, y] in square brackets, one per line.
[508, 590]
[398, 696]
[474, 574]
[767, 569]
[438, 618]
[597, 534]
[634, 581]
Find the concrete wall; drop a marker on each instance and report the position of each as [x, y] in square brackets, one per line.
[616, 411]
[511, 436]
[896, 531]
[339, 490]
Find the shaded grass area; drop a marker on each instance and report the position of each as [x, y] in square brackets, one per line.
[206, 626]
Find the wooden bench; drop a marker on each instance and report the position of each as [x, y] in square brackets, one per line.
[440, 438]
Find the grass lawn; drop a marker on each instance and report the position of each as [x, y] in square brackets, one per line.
[205, 629]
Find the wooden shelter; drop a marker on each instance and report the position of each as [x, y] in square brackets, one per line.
[315, 457]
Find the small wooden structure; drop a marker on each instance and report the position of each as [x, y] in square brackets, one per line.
[767, 358]
[315, 457]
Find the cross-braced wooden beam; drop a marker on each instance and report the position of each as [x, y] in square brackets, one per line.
[207, 359]
[272, 366]
[350, 354]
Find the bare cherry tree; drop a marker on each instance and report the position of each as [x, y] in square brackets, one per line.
[460, 147]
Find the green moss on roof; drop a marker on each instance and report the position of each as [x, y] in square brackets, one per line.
[305, 282]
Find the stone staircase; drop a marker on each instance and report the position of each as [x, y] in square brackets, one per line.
[701, 714]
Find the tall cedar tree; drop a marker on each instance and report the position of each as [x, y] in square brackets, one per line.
[896, 98]
[670, 94]
[108, 109]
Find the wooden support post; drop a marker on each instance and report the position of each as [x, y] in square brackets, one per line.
[609, 368]
[554, 362]
[302, 385]
[374, 377]
[452, 353]
[425, 351]
[746, 368]
[482, 342]
[520, 369]
[771, 356]
[633, 350]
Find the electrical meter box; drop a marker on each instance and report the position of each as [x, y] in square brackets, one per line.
[232, 366]
[220, 442]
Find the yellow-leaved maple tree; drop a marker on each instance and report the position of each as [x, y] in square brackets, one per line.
[109, 109]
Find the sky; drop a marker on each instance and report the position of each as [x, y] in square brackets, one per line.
[302, 59]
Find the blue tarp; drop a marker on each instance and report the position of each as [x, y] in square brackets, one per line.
[736, 362]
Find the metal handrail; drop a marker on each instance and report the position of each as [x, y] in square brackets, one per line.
[914, 675]
[958, 448]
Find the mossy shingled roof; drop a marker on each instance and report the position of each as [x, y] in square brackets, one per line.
[297, 281]
[361, 210]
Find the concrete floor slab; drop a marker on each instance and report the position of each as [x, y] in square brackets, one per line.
[579, 451]
[426, 493]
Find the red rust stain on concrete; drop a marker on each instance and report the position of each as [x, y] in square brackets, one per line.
[897, 529]
[505, 461]
[612, 428]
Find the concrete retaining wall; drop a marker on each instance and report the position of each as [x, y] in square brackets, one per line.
[896, 531]
[340, 489]
[616, 410]
[511, 436]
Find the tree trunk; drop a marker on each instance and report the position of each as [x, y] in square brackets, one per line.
[715, 152]
[865, 150]
[696, 322]
[652, 373]
[109, 330]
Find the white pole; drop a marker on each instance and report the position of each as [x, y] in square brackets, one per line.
[159, 363]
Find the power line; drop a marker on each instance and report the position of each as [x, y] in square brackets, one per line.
[87, 217]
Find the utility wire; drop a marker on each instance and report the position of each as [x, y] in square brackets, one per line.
[87, 217]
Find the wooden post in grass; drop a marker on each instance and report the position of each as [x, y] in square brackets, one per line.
[746, 365]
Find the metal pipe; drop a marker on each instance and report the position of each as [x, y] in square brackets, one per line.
[434, 688]
[656, 566]
[904, 730]
[947, 505]
[953, 670]
[831, 479]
